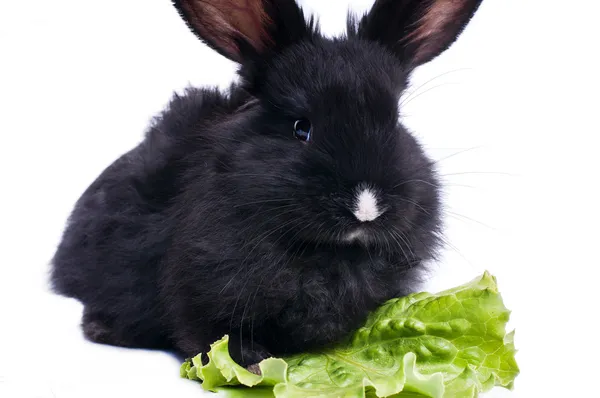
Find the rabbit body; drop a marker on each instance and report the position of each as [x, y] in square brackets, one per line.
[280, 212]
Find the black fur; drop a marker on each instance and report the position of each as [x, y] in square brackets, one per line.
[221, 222]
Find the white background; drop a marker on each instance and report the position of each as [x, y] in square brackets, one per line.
[519, 91]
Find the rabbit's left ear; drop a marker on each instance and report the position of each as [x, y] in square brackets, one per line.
[417, 30]
[242, 29]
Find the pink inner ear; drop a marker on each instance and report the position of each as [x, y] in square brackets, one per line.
[430, 28]
[222, 21]
[438, 14]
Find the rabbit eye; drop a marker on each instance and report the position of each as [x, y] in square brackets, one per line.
[302, 130]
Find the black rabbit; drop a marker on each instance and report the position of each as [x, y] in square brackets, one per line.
[279, 213]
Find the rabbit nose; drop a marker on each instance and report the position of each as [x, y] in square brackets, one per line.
[366, 204]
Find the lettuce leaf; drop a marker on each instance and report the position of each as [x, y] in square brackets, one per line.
[450, 344]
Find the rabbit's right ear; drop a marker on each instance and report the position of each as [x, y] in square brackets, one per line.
[417, 31]
[242, 29]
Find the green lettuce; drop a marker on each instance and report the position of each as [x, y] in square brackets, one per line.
[450, 344]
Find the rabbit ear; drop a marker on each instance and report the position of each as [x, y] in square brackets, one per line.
[240, 29]
[417, 30]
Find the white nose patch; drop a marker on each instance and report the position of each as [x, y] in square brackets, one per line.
[366, 207]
